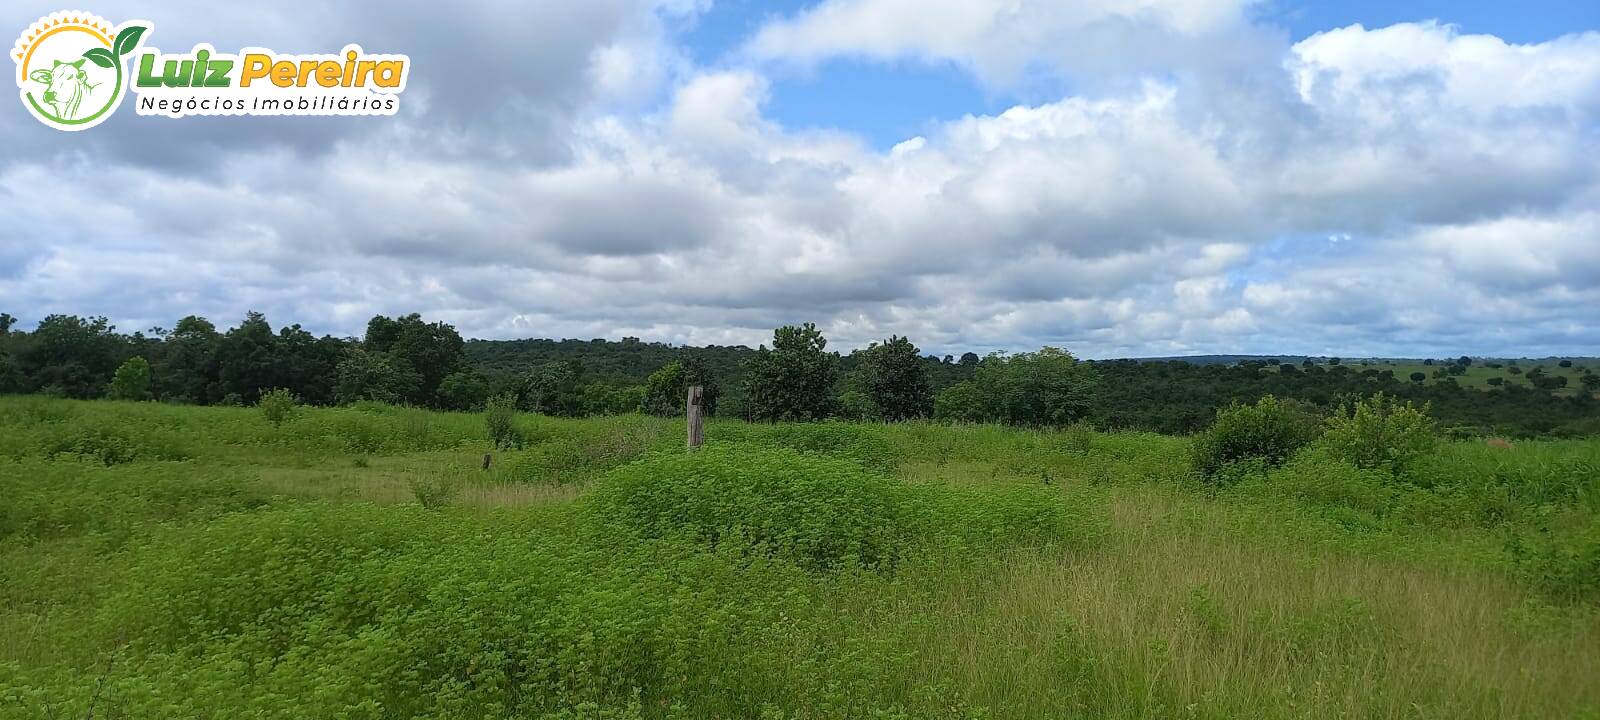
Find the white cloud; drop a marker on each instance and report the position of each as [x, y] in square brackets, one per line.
[999, 40]
[1155, 214]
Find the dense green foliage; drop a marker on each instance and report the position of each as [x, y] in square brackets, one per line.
[357, 562]
[277, 406]
[1049, 387]
[1380, 434]
[892, 380]
[1270, 431]
[667, 389]
[795, 379]
[408, 360]
[131, 381]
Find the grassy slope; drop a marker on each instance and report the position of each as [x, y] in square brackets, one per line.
[1478, 374]
[1267, 601]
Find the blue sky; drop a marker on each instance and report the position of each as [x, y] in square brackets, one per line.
[1117, 177]
[889, 102]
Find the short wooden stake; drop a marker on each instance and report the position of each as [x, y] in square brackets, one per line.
[695, 405]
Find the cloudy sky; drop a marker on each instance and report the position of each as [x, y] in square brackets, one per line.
[1119, 177]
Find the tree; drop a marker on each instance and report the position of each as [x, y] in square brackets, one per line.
[6, 321]
[463, 390]
[307, 365]
[603, 399]
[554, 388]
[247, 359]
[794, 380]
[432, 350]
[11, 380]
[1496, 381]
[131, 381]
[894, 380]
[962, 402]
[970, 359]
[1565, 363]
[1048, 387]
[667, 389]
[363, 375]
[186, 369]
[1591, 382]
[75, 355]
[1334, 361]
[1464, 361]
[1418, 377]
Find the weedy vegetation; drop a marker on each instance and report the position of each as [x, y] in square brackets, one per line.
[162, 561]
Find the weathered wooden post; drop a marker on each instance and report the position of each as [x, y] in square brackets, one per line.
[697, 430]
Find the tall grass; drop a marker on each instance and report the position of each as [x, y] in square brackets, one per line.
[223, 565]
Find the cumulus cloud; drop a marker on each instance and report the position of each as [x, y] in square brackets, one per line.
[1002, 40]
[607, 186]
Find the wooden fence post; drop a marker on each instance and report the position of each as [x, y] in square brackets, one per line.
[697, 430]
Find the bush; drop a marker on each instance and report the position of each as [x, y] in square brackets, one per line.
[1380, 434]
[867, 445]
[110, 444]
[500, 416]
[1078, 438]
[435, 493]
[820, 512]
[277, 406]
[1563, 566]
[962, 402]
[131, 381]
[1269, 432]
[341, 612]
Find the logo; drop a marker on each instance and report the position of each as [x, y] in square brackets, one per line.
[73, 69]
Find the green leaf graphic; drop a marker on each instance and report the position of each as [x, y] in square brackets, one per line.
[128, 39]
[101, 57]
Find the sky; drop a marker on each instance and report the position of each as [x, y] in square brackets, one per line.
[1116, 177]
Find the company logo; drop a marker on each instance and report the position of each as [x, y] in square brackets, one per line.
[73, 68]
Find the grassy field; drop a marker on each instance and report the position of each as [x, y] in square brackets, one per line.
[161, 561]
[1478, 374]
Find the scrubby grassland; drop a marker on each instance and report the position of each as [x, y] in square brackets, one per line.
[160, 561]
[1479, 374]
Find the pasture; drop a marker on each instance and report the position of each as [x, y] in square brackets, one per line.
[1480, 373]
[359, 562]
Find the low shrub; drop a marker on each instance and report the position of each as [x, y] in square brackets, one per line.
[1269, 432]
[278, 406]
[1078, 438]
[500, 417]
[337, 611]
[1379, 433]
[867, 445]
[110, 444]
[823, 511]
[816, 510]
[1562, 564]
[435, 492]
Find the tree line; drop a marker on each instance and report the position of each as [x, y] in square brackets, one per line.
[408, 360]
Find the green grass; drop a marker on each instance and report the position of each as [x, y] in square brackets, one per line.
[162, 561]
[1478, 374]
